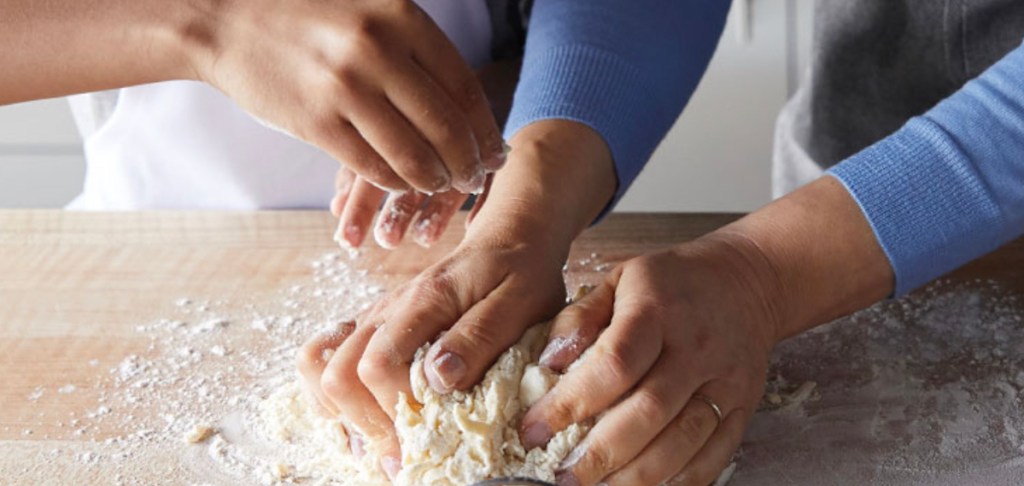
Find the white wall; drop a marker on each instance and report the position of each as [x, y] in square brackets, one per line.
[41, 161]
[717, 157]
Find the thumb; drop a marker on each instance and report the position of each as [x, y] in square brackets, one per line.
[460, 358]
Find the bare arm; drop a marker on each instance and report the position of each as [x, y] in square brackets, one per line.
[61, 47]
[376, 84]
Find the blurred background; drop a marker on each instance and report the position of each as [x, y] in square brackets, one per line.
[716, 158]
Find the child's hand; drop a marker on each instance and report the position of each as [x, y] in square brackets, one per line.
[375, 83]
[356, 202]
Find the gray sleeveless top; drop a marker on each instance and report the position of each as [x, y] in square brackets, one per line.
[877, 63]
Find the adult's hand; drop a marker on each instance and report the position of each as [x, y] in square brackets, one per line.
[674, 332]
[504, 277]
[663, 330]
[484, 294]
[375, 83]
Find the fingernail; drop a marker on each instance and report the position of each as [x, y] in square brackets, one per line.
[353, 235]
[422, 232]
[554, 353]
[384, 232]
[498, 161]
[566, 478]
[536, 435]
[392, 465]
[355, 442]
[348, 236]
[475, 183]
[447, 370]
[442, 184]
[556, 345]
[427, 228]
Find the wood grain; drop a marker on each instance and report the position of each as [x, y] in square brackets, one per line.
[73, 285]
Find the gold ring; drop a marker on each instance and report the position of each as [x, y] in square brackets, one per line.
[711, 403]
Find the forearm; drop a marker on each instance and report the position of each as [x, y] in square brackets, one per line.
[625, 69]
[947, 187]
[60, 47]
[558, 179]
[811, 256]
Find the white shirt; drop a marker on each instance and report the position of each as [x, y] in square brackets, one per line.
[184, 145]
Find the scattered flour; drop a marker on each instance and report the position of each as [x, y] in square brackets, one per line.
[921, 390]
[921, 387]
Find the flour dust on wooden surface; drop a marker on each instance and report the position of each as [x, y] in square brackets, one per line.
[923, 390]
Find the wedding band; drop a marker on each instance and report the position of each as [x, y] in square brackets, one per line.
[711, 403]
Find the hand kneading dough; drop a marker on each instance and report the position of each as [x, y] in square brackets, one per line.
[455, 439]
[463, 437]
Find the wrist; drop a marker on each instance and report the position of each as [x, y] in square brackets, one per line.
[558, 178]
[196, 38]
[756, 288]
[817, 256]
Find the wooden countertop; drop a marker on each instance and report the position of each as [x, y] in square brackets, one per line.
[74, 286]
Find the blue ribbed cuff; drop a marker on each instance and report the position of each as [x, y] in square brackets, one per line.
[599, 89]
[929, 208]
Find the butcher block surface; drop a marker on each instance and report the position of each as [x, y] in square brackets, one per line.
[896, 389]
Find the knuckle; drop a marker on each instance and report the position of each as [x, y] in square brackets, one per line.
[617, 363]
[650, 406]
[337, 386]
[691, 427]
[346, 79]
[374, 366]
[583, 314]
[576, 313]
[566, 411]
[367, 30]
[600, 457]
[432, 289]
[480, 335]
[309, 358]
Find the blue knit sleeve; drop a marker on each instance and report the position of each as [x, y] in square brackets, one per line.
[948, 187]
[624, 68]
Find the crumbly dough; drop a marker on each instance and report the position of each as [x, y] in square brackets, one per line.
[199, 434]
[460, 438]
[311, 447]
[453, 439]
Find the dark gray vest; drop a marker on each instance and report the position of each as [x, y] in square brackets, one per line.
[878, 63]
